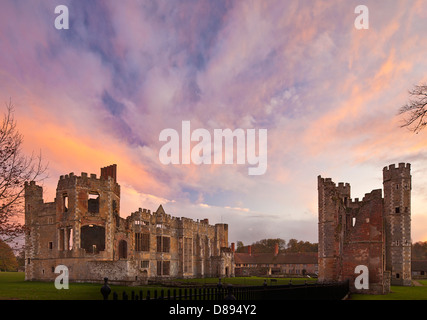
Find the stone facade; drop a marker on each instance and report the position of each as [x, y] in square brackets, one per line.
[374, 232]
[82, 229]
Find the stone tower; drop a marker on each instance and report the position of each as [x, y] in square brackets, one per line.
[86, 209]
[397, 213]
[332, 215]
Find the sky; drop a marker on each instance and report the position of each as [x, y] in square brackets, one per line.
[328, 94]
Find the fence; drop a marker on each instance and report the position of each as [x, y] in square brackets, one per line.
[336, 291]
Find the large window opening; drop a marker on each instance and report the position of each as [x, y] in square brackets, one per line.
[92, 238]
[163, 244]
[163, 268]
[142, 241]
[93, 203]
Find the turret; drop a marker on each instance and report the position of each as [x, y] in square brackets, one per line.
[397, 213]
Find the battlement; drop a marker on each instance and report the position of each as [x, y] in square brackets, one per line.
[403, 170]
[342, 188]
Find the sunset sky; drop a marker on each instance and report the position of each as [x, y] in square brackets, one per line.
[101, 92]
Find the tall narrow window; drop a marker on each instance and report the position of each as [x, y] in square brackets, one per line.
[166, 244]
[70, 239]
[166, 268]
[61, 239]
[145, 242]
[65, 202]
[159, 243]
[188, 254]
[159, 268]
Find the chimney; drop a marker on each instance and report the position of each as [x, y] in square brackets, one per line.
[232, 247]
[250, 250]
[110, 171]
[276, 249]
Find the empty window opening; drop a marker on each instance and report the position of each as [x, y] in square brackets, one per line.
[163, 244]
[70, 239]
[142, 241]
[123, 249]
[397, 187]
[93, 203]
[188, 254]
[50, 245]
[61, 240]
[117, 218]
[397, 276]
[92, 238]
[397, 210]
[65, 202]
[163, 268]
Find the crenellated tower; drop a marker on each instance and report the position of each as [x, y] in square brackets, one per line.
[332, 216]
[397, 214]
[86, 208]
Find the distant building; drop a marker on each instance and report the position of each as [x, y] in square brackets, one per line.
[419, 269]
[263, 264]
[82, 229]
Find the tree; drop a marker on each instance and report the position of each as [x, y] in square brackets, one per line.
[419, 250]
[268, 245]
[416, 108]
[15, 169]
[239, 246]
[7, 258]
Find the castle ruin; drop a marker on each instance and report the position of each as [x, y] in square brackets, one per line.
[82, 229]
[374, 232]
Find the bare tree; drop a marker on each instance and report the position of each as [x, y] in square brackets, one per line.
[416, 109]
[15, 169]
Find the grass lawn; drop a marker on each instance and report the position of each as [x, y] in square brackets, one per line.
[14, 286]
[398, 293]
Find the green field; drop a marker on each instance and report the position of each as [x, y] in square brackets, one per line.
[13, 286]
[398, 293]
